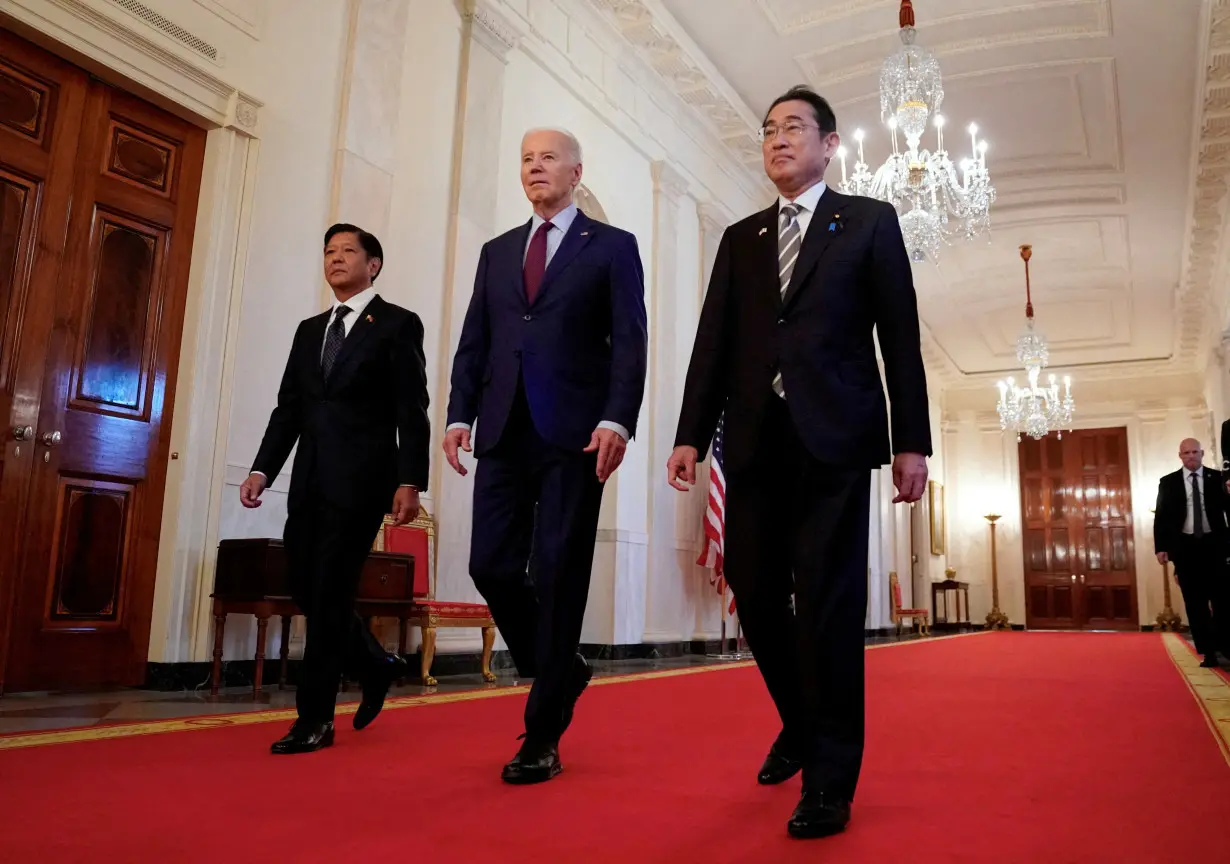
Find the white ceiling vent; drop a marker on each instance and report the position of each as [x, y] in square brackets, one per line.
[170, 28]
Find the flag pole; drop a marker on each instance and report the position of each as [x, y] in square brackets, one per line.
[738, 653]
[721, 652]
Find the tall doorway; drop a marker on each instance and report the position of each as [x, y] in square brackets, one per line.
[1076, 517]
[98, 197]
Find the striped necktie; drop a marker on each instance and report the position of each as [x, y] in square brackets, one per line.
[789, 241]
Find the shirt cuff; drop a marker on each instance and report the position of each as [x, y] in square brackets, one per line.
[408, 486]
[262, 473]
[621, 431]
[452, 426]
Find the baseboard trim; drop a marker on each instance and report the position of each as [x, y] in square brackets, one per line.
[168, 677]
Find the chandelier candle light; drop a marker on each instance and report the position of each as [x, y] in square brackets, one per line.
[923, 186]
[1033, 410]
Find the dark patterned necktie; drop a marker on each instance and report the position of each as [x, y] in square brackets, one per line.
[334, 339]
[536, 261]
[1197, 510]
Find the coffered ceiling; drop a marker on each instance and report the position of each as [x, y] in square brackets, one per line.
[1098, 115]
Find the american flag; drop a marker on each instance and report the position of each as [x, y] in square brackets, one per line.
[713, 555]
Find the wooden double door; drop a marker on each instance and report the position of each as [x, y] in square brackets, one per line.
[1076, 517]
[98, 197]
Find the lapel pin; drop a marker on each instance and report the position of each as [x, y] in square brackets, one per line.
[763, 231]
[584, 233]
[370, 320]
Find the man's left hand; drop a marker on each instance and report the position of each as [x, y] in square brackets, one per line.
[610, 446]
[405, 505]
[909, 476]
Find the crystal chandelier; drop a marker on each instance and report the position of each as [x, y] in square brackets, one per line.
[1032, 409]
[922, 185]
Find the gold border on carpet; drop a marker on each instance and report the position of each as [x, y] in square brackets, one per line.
[21, 740]
[1210, 688]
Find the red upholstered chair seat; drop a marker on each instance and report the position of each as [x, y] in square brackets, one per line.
[911, 611]
[451, 609]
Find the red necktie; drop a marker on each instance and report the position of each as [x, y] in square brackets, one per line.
[536, 261]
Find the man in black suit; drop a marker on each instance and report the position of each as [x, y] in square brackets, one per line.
[1190, 531]
[354, 397]
[784, 347]
[551, 363]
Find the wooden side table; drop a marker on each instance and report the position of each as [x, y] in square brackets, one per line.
[942, 588]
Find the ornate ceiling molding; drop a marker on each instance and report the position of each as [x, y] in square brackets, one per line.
[1197, 328]
[648, 27]
[491, 28]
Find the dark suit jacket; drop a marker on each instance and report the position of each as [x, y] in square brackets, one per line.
[580, 348]
[1171, 510]
[1225, 444]
[365, 430]
[852, 275]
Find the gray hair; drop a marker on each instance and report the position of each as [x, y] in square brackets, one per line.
[573, 144]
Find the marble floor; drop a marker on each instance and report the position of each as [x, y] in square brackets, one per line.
[37, 712]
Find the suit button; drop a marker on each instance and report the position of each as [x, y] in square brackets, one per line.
[529, 317]
[781, 320]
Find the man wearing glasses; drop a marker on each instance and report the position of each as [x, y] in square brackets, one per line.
[784, 347]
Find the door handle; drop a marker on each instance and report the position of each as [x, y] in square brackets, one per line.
[23, 433]
[51, 439]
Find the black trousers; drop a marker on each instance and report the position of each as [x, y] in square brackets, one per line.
[1203, 577]
[795, 526]
[532, 496]
[326, 547]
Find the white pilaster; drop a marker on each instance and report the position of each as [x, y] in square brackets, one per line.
[368, 125]
[487, 39]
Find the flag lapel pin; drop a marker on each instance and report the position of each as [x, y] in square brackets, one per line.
[763, 231]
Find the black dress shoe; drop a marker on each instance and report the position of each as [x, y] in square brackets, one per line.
[819, 815]
[375, 691]
[304, 738]
[1209, 662]
[577, 682]
[778, 767]
[535, 762]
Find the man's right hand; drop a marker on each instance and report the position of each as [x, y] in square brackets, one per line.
[453, 439]
[250, 490]
[681, 464]
[1163, 558]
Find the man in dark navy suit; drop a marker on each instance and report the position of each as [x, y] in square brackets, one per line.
[354, 399]
[551, 363]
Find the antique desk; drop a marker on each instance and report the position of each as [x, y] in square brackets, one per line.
[942, 588]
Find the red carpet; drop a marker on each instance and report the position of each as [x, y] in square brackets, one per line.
[1005, 747]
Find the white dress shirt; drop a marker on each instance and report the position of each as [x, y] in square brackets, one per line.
[560, 223]
[1188, 522]
[356, 305]
[807, 203]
